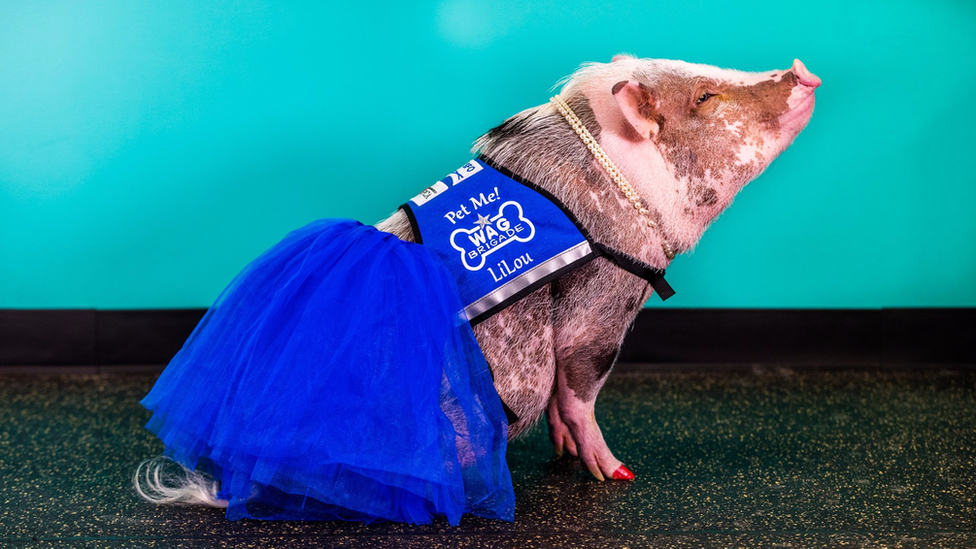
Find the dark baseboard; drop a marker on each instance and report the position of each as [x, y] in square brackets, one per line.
[93, 337]
[824, 337]
[86, 340]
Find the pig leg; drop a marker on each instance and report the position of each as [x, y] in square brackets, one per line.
[573, 420]
[562, 438]
[589, 329]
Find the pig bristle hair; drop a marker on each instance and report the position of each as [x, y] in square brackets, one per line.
[162, 481]
[398, 225]
[591, 74]
[644, 70]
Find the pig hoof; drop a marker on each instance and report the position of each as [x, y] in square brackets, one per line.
[623, 473]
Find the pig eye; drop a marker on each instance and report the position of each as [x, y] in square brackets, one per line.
[703, 97]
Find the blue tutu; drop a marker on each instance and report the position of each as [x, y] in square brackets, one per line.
[335, 380]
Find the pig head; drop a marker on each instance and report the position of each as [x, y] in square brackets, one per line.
[687, 137]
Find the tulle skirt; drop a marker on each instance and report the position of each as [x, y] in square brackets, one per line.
[335, 380]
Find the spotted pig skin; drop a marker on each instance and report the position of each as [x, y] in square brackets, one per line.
[688, 138]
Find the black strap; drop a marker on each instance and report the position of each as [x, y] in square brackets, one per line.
[638, 268]
[509, 414]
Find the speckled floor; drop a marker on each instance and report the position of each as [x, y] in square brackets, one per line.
[778, 458]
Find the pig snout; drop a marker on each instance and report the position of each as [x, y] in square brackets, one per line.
[801, 99]
[805, 77]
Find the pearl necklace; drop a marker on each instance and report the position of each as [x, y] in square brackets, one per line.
[611, 169]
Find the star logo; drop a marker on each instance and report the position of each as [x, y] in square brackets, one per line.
[482, 221]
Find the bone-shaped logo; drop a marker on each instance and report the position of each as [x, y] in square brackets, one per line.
[492, 233]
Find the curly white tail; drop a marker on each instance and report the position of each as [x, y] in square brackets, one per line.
[161, 480]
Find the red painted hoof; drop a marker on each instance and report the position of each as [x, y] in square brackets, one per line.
[623, 473]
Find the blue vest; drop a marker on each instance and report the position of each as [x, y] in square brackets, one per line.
[503, 237]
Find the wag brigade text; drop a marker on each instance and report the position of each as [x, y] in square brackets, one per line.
[491, 231]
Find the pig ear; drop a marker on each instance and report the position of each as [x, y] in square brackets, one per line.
[640, 106]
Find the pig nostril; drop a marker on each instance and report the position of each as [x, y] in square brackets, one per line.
[805, 77]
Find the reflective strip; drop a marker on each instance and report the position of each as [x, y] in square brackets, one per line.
[530, 277]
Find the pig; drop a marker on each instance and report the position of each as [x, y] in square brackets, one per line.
[687, 137]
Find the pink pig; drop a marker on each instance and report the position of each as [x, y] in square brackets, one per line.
[688, 137]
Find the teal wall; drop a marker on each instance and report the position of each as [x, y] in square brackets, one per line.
[149, 150]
